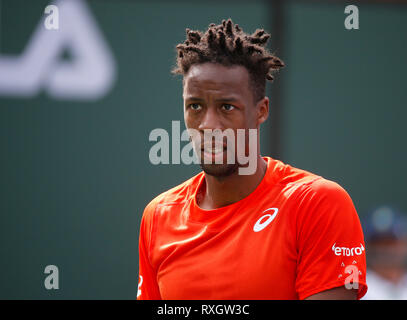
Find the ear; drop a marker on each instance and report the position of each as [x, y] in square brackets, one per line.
[262, 110]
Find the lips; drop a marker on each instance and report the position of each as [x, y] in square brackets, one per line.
[213, 148]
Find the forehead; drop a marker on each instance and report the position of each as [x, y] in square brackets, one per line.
[216, 78]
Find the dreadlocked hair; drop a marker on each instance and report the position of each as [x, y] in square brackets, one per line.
[228, 45]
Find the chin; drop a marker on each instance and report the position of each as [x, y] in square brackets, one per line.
[219, 170]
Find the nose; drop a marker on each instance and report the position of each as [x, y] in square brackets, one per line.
[210, 120]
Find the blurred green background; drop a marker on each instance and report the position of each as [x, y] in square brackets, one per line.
[75, 173]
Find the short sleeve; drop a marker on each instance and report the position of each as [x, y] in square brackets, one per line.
[147, 286]
[330, 243]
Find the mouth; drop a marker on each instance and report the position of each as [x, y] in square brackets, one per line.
[213, 148]
[214, 153]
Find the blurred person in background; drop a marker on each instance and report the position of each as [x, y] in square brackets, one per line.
[386, 253]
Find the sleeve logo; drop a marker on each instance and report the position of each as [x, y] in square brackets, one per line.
[348, 252]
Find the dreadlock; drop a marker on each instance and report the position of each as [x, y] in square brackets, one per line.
[228, 45]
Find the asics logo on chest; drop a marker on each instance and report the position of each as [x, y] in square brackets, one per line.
[265, 220]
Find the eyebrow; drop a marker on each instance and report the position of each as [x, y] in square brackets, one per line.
[227, 99]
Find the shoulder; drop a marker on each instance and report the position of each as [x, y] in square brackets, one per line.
[322, 192]
[286, 175]
[177, 194]
[324, 189]
[325, 206]
[307, 185]
[305, 188]
[314, 198]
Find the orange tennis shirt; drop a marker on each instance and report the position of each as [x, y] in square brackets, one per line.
[295, 235]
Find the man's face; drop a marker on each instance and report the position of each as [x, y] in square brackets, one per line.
[217, 97]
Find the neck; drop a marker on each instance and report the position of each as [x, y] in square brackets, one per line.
[220, 192]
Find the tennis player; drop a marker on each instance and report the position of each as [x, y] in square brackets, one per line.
[277, 233]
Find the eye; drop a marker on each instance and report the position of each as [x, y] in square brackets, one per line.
[228, 107]
[195, 106]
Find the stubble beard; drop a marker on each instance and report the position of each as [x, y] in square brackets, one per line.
[219, 170]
